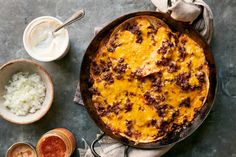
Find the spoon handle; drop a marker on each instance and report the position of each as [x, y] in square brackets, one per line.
[75, 17]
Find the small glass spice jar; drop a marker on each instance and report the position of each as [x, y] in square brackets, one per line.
[58, 142]
[21, 149]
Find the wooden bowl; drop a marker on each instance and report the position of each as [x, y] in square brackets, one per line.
[22, 65]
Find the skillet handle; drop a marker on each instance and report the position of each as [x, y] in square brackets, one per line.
[92, 146]
[95, 154]
[126, 152]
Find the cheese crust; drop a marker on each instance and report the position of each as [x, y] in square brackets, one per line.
[147, 81]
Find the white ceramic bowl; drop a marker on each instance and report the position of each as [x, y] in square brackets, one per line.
[26, 39]
[21, 65]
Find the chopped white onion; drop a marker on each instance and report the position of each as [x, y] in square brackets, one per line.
[25, 93]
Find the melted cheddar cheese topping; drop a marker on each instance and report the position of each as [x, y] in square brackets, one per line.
[148, 81]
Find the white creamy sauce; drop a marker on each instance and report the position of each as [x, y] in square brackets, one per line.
[43, 43]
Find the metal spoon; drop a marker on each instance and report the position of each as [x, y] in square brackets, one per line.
[75, 17]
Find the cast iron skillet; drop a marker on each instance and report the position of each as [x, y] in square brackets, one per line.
[85, 84]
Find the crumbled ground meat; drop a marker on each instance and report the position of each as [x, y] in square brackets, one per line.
[129, 93]
[120, 68]
[149, 99]
[134, 28]
[161, 132]
[185, 102]
[189, 64]
[197, 112]
[152, 29]
[139, 37]
[136, 134]
[195, 87]
[131, 76]
[200, 76]
[99, 106]
[128, 133]
[159, 24]
[119, 76]
[200, 67]
[115, 108]
[129, 124]
[132, 94]
[91, 80]
[172, 67]
[157, 84]
[126, 93]
[159, 74]
[95, 68]
[128, 105]
[161, 109]
[115, 45]
[160, 98]
[176, 37]
[163, 129]
[141, 108]
[94, 91]
[101, 109]
[136, 75]
[108, 78]
[202, 98]
[152, 32]
[98, 69]
[175, 114]
[151, 77]
[153, 122]
[104, 68]
[184, 40]
[109, 63]
[102, 61]
[170, 35]
[182, 80]
[165, 45]
[162, 50]
[110, 49]
[103, 54]
[115, 131]
[121, 60]
[112, 45]
[163, 62]
[182, 53]
[153, 39]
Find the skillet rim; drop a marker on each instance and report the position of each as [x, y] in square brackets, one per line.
[174, 25]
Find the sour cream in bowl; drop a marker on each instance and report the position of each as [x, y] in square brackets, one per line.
[41, 44]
